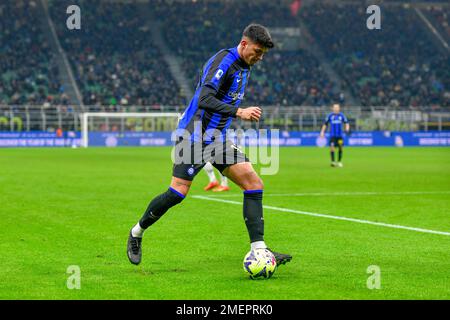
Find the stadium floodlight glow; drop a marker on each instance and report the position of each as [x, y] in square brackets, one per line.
[118, 115]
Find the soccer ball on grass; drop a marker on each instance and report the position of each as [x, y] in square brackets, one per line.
[260, 264]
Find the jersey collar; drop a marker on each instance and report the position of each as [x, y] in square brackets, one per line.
[239, 60]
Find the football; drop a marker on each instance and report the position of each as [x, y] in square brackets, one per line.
[260, 264]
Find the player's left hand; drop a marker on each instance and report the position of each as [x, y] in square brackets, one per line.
[250, 113]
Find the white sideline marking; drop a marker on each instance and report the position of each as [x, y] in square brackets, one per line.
[326, 194]
[395, 226]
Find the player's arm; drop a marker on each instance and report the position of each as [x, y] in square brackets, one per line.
[208, 101]
[347, 124]
[322, 131]
[216, 76]
[324, 126]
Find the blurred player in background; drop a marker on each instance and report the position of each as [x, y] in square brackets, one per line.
[336, 120]
[213, 183]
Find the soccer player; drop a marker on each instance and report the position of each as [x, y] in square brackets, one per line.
[216, 102]
[336, 119]
[213, 183]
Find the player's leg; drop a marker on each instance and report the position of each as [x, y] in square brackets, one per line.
[223, 184]
[223, 181]
[159, 205]
[245, 176]
[183, 174]
[332, 151]
[177, 191]
[247, 179]
[340, 151]
[209, 169]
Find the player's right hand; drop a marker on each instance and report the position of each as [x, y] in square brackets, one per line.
[250, 113]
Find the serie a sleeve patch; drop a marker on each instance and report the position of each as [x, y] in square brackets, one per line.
[219, 74]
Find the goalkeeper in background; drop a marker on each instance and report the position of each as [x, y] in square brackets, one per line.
[336, 120]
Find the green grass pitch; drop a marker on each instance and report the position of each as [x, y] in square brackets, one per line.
[62, 207]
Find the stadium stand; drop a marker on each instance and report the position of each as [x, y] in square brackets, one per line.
[442, 18]
[394, 66]
[113, 57]
[27, 69]
[210, 26]
[116, 64]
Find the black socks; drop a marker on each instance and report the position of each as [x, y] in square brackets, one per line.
[253, 214]
[253, 211]
[339, 155]
[159, 205]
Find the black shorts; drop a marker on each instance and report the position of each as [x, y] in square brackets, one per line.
[220, 154]
[336, 141]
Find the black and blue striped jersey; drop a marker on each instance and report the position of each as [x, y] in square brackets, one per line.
[219, 92]
[335, 120]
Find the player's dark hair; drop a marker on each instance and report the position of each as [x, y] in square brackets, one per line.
[259, 34]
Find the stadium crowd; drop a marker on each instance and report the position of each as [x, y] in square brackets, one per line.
[114, 59]
[442, 18]
[394, 66]
[28, 71]
[116, 63]
[286, 77]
